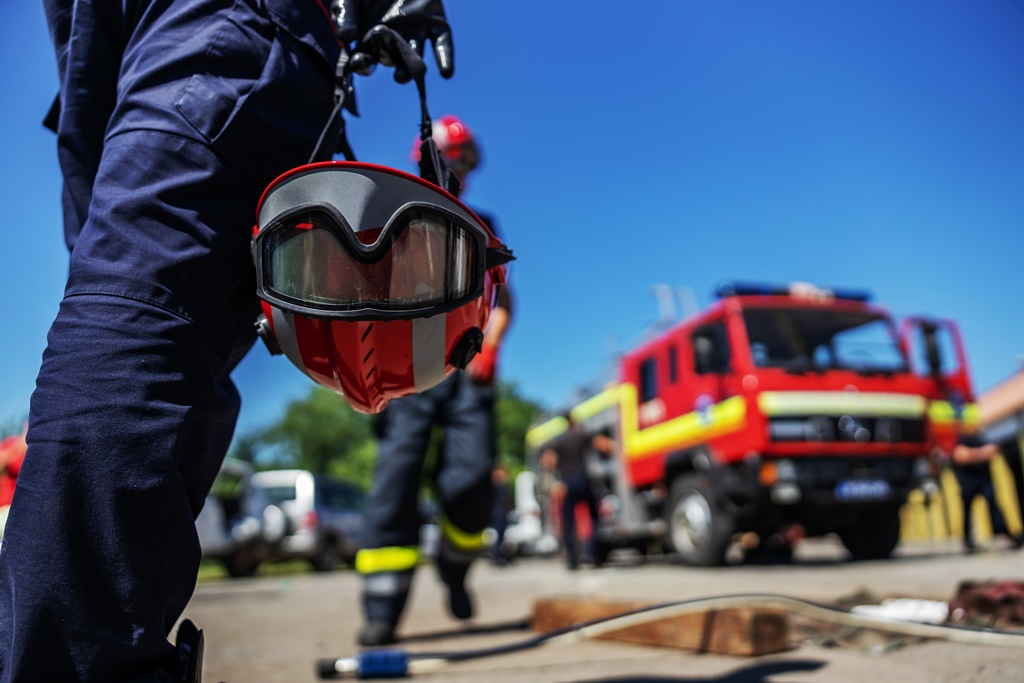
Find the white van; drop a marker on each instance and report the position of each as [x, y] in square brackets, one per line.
[237, 526]
[324, 516]
[527, 533]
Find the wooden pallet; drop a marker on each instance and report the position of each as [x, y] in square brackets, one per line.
[733, 631]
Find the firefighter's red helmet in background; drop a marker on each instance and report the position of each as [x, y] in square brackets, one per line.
[456, 143]
[373, 282]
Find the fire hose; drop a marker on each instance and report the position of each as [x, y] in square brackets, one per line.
[395, 663]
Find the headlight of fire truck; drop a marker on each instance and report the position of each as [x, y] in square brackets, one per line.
[781, 479]
[786, 470]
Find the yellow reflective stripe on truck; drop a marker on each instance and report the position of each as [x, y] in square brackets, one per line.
[549, 429]
[393, 559]
[598, 403]
[690, 428]
[875, 404]
[546, 431]
[943, 412]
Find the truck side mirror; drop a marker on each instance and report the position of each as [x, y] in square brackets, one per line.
[933, 355]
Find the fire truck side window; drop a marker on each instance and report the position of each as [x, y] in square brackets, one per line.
[710, 349]
[673, 365]
[648, 380]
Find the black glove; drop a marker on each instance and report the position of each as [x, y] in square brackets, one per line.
[415, 22]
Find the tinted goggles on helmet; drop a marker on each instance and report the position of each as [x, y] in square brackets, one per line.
[355, 241]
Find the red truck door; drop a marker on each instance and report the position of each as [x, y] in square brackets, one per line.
[935, 350]
[936, 354]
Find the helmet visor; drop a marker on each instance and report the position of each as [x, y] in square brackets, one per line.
[310, 262]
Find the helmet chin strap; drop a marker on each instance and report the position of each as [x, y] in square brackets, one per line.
[384, 40]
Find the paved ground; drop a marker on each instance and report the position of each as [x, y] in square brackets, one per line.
[274, 629]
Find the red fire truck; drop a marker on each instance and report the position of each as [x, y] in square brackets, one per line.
[777, 409]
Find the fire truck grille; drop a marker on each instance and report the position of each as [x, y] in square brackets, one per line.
[828, 429]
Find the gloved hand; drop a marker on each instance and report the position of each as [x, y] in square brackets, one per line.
[416, 21]
[483, 368]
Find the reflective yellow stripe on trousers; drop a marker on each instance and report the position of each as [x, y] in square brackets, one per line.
[461, 540]
[393, 559]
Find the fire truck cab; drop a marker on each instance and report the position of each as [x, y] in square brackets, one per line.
[776, 409]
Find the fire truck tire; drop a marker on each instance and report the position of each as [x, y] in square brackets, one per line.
[698, 530]
[875, 536]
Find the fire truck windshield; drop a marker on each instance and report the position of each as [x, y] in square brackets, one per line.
[812, 339]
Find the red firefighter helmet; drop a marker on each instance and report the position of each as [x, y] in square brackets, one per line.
[455, 142]
[373, 282]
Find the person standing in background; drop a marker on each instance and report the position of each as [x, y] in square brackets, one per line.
[500, 509]
[570, 450]
[972, 462]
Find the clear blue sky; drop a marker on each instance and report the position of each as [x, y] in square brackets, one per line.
[858, 143]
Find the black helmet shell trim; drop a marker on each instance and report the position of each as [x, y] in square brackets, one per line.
[354, 197]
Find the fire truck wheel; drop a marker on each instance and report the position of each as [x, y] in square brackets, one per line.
[698, 530]
[874, 537]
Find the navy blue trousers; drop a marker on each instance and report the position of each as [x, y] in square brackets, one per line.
[976, 481]
[174, 117]
[461, 476]
[578, 490]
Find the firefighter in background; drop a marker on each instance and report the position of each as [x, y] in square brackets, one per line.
[463, 406]
[575, 486]
[972, 458]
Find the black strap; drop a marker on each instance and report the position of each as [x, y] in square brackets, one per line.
[432, 166]
[342, 85]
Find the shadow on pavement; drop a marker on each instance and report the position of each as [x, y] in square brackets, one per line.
[756, 673]
[481, 630]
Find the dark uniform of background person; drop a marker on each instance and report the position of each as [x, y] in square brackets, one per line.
[463, 405]
[501, 507]
[972, 459]
[172, 119]
[570, 451]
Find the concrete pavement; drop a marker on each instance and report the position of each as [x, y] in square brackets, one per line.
[274, 629]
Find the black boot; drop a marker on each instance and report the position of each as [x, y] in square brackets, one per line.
[460, 603]
[377, 633]
[381, 613]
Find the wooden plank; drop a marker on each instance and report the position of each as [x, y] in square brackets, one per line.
[734, 631]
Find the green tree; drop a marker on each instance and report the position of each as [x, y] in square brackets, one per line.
[322, 433]
[514, 415]
[247, 447]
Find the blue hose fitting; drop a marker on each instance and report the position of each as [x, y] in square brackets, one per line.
[383, 664]
[366, 665]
